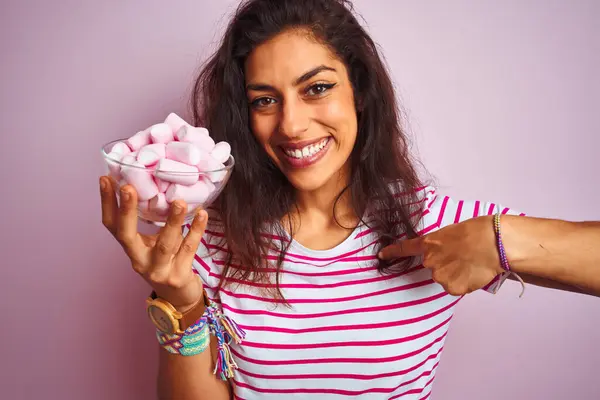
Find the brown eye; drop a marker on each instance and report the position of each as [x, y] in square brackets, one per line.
[262, 102]
[319, 89]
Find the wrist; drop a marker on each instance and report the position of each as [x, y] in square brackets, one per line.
[515, 242]
[175, 318]
[182, 298]
[186, 307]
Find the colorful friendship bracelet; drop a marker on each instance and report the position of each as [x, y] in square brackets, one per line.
[225, 331]
[196, 339]
[502, 252]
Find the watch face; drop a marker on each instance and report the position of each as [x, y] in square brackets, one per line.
[160, 319]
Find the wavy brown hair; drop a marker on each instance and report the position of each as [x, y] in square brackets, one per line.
[258, 194]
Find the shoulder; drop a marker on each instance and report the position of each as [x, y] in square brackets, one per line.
[440, 209]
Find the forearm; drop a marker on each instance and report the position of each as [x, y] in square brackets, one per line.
[190, 377]
[564, 252]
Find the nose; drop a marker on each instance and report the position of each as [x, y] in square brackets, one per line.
[294, 119]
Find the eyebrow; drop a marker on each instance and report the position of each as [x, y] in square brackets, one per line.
[306, 76]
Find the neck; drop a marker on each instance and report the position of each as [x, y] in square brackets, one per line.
[322, 206]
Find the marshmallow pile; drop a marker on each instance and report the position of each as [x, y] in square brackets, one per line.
[169, 161]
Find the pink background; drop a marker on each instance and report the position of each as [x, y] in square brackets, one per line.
[502, 98]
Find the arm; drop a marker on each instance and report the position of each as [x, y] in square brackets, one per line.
[165, 261]
[463, 257]
[554, 253]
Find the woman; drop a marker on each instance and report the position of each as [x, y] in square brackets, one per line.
[340, 267]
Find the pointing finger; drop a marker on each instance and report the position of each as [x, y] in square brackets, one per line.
[404, 248]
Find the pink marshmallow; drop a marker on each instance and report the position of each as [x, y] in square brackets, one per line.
[162, 185]
[176, 172]
[139, 140]
[161, 133]
[151, 153]
[159, 205]
[221, 152]
[187, 153]
[192, 206]
[112, 162]
[130, 158]
[175, 122]
[121, 148]
[143, 205]
[210, 167]
[141, 179]
[198, 136]
[198, 193]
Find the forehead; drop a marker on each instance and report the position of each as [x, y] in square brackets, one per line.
[287, 56]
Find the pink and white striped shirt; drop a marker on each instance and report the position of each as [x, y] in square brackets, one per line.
[350, 331]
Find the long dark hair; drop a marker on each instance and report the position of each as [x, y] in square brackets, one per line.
[258, 195]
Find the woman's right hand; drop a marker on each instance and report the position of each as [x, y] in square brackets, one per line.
[164, 259]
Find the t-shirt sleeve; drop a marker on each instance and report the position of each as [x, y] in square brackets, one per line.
[442, 210]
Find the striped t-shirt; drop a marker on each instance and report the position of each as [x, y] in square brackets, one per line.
[350, 331]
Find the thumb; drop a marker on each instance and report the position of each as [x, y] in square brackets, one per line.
[404, 248]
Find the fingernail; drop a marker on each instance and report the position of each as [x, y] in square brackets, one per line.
[177, 209]
[380, 255]
[200, 216]
[102, 185]
[125, 195]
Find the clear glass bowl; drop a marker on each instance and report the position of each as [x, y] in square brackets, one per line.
[154, 203]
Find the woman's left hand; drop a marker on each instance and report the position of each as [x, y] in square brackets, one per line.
[463, 257]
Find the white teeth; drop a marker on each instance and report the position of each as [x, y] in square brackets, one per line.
[307, 151]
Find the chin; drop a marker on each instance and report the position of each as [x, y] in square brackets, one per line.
[308, 182]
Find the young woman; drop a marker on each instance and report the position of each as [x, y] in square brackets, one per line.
[339, 266]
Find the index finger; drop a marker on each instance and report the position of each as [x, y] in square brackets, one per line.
[127, 220]
[404, 248]
[109, 203]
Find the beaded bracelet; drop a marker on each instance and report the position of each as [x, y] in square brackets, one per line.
[196, 339]
[503, 259]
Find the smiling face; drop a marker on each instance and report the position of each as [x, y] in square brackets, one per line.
[302, 109]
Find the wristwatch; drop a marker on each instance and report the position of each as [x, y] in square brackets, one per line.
[167, 319]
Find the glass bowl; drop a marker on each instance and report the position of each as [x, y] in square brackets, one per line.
[158, 188]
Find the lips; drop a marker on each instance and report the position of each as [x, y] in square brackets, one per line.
[305, 150]
[304, 154]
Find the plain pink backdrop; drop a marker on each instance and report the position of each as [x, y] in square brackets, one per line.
[502, 99]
